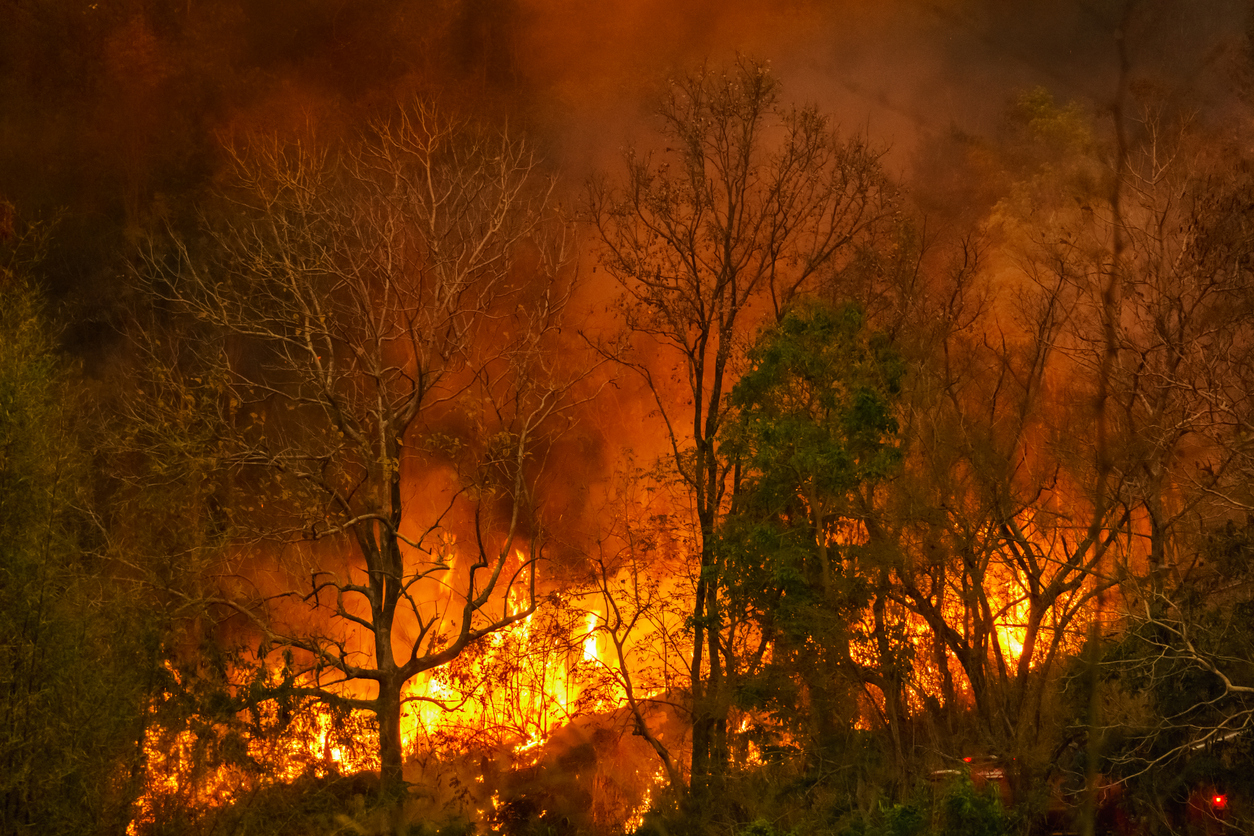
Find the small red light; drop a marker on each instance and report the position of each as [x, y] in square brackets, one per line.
[967, 759]
[1218, 801]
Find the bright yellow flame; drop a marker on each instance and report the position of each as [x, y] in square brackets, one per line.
[590, 643]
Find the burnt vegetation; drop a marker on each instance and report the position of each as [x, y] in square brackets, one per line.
[364, 471]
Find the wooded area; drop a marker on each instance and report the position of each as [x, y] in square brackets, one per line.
[749, 486]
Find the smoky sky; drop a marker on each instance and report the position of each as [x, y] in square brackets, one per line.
[897, 70]
[111, 114]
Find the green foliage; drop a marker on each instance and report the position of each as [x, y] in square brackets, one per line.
[1051, 149]
[813, 435]
[902, 820]
[961, 810]
[1039, 123]
[846, 798]
[74, 652]
[816, 405]
[814, 425]
[891, 820]
[1054, 174]
[967, 811]
[761, 827]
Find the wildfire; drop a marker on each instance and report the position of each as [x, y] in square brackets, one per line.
[636, 817]
[197, 767]
[590, 651]
[511, 692]
[519, 686]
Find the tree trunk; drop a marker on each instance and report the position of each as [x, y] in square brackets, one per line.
[700, 725]
[391, 761]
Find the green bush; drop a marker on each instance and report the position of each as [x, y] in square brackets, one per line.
[761, 827]
[966, 811]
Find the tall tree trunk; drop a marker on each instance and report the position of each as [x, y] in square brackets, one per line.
[391, 752]
[700, 715]
[894, 709]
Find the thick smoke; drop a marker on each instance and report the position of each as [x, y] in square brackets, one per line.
[112, 113]
[897, 70]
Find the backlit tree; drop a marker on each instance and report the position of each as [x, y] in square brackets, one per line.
[746, 207]
[376, 315]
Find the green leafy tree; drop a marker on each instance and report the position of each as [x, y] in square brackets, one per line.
[812, 441]
[75, 654]
[750, 204]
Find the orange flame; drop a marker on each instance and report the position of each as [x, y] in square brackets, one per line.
[521, 685]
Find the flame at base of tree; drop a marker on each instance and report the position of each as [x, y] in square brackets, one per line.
[510, 693]
[512, 696]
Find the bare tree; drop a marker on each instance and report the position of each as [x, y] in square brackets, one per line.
[747, 206]
[1007, 531]
[1184, 672]
[634, 612]
[383, 313]
[1084, 431]
[1182, 411]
